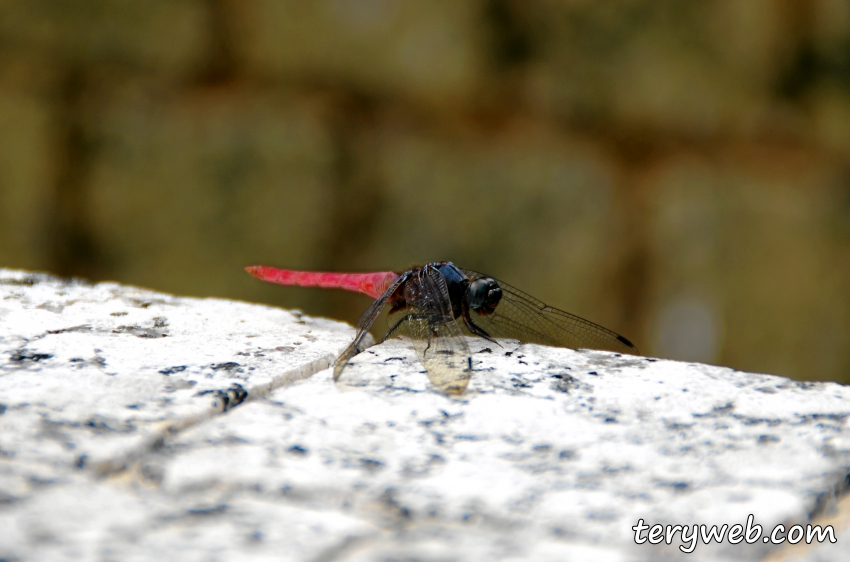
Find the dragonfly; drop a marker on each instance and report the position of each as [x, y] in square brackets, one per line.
[432, 304]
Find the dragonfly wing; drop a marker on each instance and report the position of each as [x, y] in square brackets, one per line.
[364, 324]
[445, 356]
[521, 316]
[437, 337]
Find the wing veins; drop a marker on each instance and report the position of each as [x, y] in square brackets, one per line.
[536, 316]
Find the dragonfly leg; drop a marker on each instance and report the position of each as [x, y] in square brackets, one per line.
[472, 327]
[393, 328]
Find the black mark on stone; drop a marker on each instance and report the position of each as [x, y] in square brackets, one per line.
[229, 366]
[393, 359]
[172, 370]
[371, 464]
[101, 425]
[594, 373]
[823, 417]
[23, 356]
[160, 322]
[230, 398]
[676, 426]
[298, 450]
[677, 486]
[765, 439]
[564, 382]
[205, 511]
[26, 281]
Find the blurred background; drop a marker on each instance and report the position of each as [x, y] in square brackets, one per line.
[676, 171]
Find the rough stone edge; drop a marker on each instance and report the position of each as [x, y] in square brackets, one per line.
[233, 397]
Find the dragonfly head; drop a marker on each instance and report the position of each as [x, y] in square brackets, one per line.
[483, 295]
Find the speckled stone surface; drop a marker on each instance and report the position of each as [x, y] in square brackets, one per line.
[137, 426]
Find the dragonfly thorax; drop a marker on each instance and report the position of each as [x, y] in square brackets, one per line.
[484, 295]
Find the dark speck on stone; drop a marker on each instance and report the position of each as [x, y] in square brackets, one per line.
[229, 366]
[23, 356]
[765, 439]
[28, 281]
[372, 464]
[610, 420]
[208, 510]
[298, 450]
[594, 373]
[172, 370]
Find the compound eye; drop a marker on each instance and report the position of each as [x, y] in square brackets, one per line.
[484, 294]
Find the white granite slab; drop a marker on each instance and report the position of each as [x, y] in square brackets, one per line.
[93, 374]
[551, 454]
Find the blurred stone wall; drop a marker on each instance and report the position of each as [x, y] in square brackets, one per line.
[676, 171]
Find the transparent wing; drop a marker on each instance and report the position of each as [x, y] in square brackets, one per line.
[437, 337]
[523, 317]
[364, 324]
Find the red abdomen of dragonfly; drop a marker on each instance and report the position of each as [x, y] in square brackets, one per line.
[372, 284]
